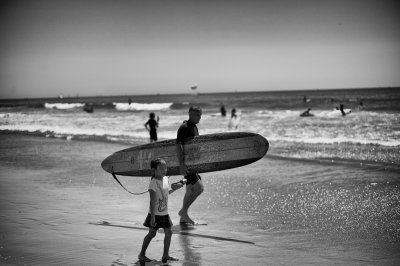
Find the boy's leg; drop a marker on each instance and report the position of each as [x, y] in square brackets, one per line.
[146, 241]
[167, 242]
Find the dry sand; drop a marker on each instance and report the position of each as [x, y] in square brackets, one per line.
[58, 207]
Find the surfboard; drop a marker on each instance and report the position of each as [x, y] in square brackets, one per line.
[204, 153]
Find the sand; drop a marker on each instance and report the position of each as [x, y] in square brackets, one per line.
[58, 207]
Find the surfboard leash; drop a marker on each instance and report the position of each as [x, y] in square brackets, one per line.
[133, 193]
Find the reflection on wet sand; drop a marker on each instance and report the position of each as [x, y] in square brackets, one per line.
[191, 257]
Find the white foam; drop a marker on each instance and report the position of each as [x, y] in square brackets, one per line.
[321, 140]
[63, 106]
[359, 128]
[338, 112]
[141, 106]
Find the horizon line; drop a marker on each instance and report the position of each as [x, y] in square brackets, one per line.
[198, 93]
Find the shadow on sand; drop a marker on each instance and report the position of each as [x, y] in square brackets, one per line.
[177, 229]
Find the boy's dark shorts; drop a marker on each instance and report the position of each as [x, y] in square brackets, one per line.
[162, 221]
[192, 179]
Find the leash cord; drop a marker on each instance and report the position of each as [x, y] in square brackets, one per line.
[133, 193]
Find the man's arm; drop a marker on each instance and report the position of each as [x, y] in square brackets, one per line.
[181, 158]
[179, 149]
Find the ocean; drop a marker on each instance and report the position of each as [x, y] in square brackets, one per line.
[326, 193]
[369, 134]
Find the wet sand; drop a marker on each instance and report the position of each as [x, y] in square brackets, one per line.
[58, 207]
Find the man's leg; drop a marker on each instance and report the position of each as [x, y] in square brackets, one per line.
[192, 192]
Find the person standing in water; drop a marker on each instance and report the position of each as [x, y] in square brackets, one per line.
[342, 110]
[222, 109]
[194, 186]
[151, 125]
[234, 121]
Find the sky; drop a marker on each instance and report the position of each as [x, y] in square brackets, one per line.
[93, 48]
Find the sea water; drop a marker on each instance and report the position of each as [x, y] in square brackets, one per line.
[333, 175]
[369, 134]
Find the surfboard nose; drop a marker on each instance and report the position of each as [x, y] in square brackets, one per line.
[107, 164]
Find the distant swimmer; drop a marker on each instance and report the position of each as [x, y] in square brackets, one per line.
[361, 105]
[342, 110]
[234, 121]
[88, 107]
[306, 113]
[339, 111]
[222, 109]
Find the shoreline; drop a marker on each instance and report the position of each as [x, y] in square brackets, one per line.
[58, 207]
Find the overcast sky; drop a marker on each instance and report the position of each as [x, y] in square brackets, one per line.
[116, 47]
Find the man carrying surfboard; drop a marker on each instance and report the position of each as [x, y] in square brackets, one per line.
[194, 186]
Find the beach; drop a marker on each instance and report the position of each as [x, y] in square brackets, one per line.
[58, 207]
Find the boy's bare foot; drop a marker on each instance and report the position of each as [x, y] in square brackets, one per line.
[185, 218]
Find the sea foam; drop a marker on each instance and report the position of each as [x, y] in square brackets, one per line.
[141, 106]
[63, 106]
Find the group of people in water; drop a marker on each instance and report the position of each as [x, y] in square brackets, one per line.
[307, 112]
[152, 123]
[340, 108]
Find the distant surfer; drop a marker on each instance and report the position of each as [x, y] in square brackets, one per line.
[306, 113]
[151, 125]
[194, 185]
[158, 216]
[130, 101]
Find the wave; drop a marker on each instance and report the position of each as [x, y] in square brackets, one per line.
[116, 105]
[142, 106]
[63, 106]
[388, 143]
[129, 137]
